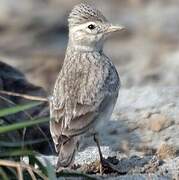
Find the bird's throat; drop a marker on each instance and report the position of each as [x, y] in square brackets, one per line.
[83, 49]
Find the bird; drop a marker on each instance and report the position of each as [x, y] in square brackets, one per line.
[86, 88]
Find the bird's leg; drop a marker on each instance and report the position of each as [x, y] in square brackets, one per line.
[104, 163]
[96, 140]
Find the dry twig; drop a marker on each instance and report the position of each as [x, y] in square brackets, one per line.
[25, 96]
[20, 166]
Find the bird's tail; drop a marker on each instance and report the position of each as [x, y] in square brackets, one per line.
[66, 151]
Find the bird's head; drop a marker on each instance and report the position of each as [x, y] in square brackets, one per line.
[88, 28]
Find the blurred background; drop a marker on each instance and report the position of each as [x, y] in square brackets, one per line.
[34, 34]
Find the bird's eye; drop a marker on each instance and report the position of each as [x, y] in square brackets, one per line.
[91, 26]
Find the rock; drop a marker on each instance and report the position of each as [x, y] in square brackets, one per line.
[146, 116]
[158, 122]
[166, 151]
[170, 168]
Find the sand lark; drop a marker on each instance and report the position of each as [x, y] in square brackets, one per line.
[87, 86]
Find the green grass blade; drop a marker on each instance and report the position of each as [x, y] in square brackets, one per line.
[16, 153]
[3, 175]
[20, 125]
[34, 160]
[11, 172]
[20, 143]
[18, 108]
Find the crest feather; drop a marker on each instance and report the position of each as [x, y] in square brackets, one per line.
[83, 13]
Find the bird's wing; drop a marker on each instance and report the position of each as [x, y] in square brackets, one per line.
[78, 94]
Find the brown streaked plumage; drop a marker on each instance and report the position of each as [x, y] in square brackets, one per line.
[87, 86]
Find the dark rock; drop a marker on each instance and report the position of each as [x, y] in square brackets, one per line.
[13, 80]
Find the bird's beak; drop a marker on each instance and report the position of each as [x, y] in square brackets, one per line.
[113, 28]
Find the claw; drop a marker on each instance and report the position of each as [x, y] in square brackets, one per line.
[104, 163]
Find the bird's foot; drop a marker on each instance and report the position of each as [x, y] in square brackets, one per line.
[102, 166]
[107, 166]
